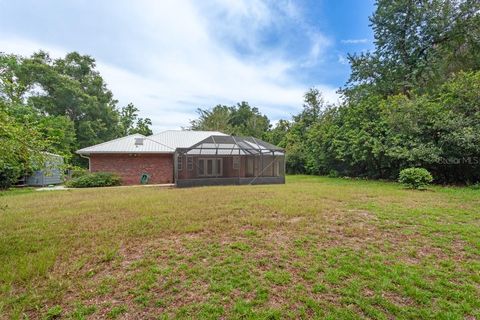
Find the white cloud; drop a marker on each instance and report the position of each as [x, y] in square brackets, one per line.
[181, 65]
[354, 41]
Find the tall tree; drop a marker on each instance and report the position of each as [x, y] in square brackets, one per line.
[59, 91]
[278, 133]
[20, 146]
[296, 142]
[130, 123]
[66, 100]
[240, 119]
[72, 87]
[418, 44]
[216, 119]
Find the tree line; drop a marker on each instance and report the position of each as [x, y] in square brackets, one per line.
[413, 101]
[57, 106]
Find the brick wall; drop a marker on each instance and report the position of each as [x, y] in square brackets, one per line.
[130, 167]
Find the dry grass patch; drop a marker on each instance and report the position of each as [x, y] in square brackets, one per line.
[315, 247]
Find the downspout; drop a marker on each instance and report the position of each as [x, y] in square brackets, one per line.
[85, 157]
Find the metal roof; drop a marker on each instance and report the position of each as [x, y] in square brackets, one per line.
[164, 142]
[183, 139]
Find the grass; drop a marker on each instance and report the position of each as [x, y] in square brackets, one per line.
[314, 248]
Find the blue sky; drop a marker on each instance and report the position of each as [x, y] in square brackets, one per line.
[170, 57]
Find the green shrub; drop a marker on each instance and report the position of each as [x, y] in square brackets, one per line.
[8, 176]
[79, 172]
[475, 186]
[98, 179]
[333, 174]
[415, 178]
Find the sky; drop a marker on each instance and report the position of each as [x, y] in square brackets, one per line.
[171, 57]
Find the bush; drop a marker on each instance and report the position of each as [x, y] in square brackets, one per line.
[9, 176]
[333, 174]
[79, 172]
[415, 178]
[475, 186]
[98, 179]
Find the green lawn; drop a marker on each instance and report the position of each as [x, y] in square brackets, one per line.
[313, 248]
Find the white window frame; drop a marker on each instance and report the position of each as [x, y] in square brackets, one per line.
[189, 163]
[215, 171]
[179, 163]
[250, 165]
[236, 163]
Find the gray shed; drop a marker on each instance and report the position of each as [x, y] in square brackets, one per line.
[51, 173]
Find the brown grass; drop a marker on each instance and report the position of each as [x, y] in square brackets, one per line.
[315, 247]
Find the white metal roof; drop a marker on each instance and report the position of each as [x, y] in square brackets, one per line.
[183, 139]
[164, 142]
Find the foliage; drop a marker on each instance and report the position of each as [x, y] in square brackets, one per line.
[415, 178]
[9, 175]
[97, 179]
[277, 134]
[79, 172]
[66, 100]
[418, 45]
[67, 87]
[128, 116]
[240, 120]
[376, 137]
[20, 146]
[293, 136]
[411, 102]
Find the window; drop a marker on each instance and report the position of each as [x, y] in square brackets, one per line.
[218, 167]
[210, 167]
[179, 163]
[189, 163]
[267, 166]
[201, 167]
[236, 163]
[250, 167]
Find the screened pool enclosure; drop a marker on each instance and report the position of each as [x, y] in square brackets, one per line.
[221, 160]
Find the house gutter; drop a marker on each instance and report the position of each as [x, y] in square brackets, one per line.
[85, 157]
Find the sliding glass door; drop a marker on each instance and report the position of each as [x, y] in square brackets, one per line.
[210, 167]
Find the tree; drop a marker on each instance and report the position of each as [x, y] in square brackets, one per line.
[20, 147]
[313, 106]
[240, 119]
[248, 121]
[67, 100]
[418, 45]
[73, 88]
[215, 119]
[278, 133]
[130, 123]
[296, 143]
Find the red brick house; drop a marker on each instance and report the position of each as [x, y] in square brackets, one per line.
[188, 158]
